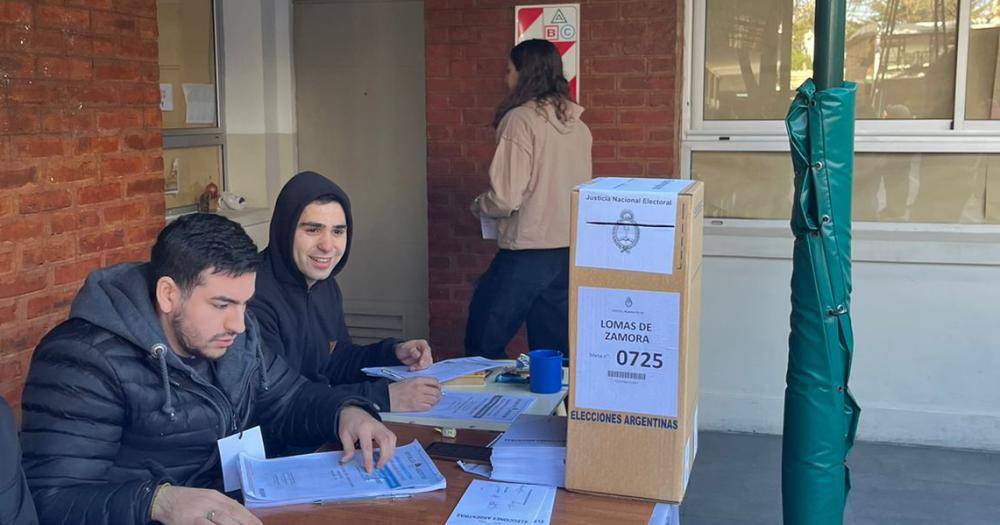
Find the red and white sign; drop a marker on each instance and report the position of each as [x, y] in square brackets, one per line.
[559, 24]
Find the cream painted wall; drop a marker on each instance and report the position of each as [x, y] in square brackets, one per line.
[259, 109]
[926, 349]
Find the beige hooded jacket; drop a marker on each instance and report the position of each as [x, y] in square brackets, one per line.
[538, 161]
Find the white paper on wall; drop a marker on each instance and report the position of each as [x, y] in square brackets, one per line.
[200, 101]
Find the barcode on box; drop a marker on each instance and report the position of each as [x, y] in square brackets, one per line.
[626, 375]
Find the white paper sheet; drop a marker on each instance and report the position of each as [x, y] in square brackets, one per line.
[627, 355]
[491, 503]
[475, 468]
[321, 478]
[249, 442]
[166, 96]
[200, 102]
[532, 450]
[476, 405]
[534, 431]
[488, 225]
[628, 224]
[443, 371]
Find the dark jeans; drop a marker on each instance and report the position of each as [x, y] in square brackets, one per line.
[519, 286]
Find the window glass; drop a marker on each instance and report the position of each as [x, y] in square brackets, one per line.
[888, 187]
[982, 93]
[901, 53]
[188, 171]
[188, 91]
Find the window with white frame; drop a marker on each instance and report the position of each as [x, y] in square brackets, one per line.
[927, 107]
[190, 100]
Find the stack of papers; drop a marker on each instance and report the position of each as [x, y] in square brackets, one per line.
[320, 477]
[489, 502]
[443, 371]
[532, 450]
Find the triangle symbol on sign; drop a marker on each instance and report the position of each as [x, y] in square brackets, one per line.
[559, 17]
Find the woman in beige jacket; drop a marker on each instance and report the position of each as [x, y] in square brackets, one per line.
[543, 151]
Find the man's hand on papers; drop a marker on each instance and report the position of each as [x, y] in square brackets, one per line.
[358, 426]
[414, 395]
[184, 506]
[415, 353]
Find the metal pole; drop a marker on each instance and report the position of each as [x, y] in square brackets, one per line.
[828, 58]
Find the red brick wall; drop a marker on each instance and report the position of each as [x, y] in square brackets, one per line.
[81, 169]
[630, 83]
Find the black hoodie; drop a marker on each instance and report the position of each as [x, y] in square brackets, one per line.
[306, 325]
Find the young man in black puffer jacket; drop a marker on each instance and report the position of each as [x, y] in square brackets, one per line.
[124, 402]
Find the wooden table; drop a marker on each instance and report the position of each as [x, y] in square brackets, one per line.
[435, 507]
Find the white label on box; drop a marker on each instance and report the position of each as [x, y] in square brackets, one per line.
[628, 224]
[627, 355]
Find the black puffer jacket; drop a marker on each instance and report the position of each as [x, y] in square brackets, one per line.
[16, 507]
[306, 324]
[110, 412]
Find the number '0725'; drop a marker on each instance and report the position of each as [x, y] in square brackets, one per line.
[639, 359]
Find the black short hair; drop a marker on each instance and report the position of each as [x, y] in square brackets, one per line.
[197, 242]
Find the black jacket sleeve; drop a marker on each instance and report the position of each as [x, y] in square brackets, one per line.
[302, 413]
[16, 506]
[356, 384]
[73, 419]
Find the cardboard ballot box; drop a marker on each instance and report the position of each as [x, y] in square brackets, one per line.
[634, 308]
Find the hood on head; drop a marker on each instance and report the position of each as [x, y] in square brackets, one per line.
[119, 300]
[573, 112]
[302, 189]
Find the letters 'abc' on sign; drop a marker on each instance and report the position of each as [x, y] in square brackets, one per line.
[559, 24]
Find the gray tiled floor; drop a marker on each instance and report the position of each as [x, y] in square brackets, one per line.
[737, 481]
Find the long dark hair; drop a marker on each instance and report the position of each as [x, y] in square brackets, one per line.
[539, 78]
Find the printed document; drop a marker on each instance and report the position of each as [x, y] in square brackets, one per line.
[628, 224]
[443, 371]
[200, 101]
[477, 405]
[320, 477]
[627, 351]
[487, 502]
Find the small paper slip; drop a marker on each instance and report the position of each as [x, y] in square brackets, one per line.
[321, 478]
[443, 371]
[488, 225]
[473, 468]
[248, 442]
[476, 405]
[496, 503]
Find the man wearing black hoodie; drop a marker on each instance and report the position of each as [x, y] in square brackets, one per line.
[301, 308]
[16, 507]
[125, 401]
